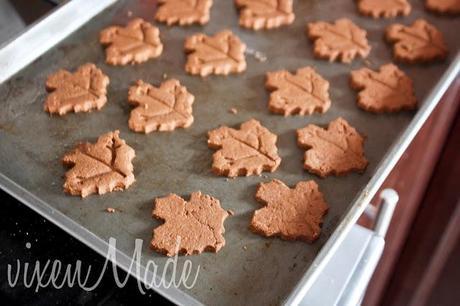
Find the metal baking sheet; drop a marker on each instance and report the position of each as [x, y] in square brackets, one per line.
[249, 269]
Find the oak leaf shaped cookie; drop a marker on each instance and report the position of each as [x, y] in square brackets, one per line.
[420, 42]
[161, 108]
[304, 93]
[444, 6]
[99, 168]
[222, 53]
[292, 214]
[247, 151]
[190, 227]
[341, 40]
[265, 14]
[384, 8]
[183, 12]
[335, 150]
[138, 42]
[82, 91]
[388, 90]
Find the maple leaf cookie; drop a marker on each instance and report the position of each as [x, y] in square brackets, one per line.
[190, 227]
[265, 14]
[388, 90]
[247, 151]
[136, 43]
[183, 12]
[335, 150]
[292, 214]
[384, 8]
[82, 91]
[443, 6]
[99, 168]
[163, 108]
[222, 54]
[341, 40]
[421, 42]
[303, 93]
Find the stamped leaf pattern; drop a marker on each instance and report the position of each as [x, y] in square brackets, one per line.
[99, 168]
[335, 150]
[384, 8]
[304, 93]
[222, 53]
[444, 6]
[420, 42]
[341, 40]
[265, 14]
[82, 91]
[183, 12]
[160, 109]
[138, 42]
[190, 227]
[292, 214]
[247, 151]
[388, 90]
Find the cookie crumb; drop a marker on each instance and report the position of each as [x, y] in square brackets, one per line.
[129, 13]
[245, 247]
[165, 76]
[261, 57]
[110, 210]
[233, 111]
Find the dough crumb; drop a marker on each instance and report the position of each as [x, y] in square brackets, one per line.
[233, 111]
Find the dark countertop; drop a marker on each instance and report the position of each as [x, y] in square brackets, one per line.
[28, 237]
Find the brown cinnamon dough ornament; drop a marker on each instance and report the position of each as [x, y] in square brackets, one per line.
[190, 227]
[265, 14]
[341, 40]
[222, 53]
[384, 8]
[443, 6]
[292, 214]
[388, 90]
[136, 43]
[247, 151]
[183, 12]
[418, 43]
[163, 108]
[304, 93]
[82, 91]
[336, 150]
[99, 168]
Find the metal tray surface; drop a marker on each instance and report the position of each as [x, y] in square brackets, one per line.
[249, 269]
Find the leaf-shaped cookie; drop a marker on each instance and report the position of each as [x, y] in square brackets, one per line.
[82, 91]
[341, 40]
[183, 12]
[384, 8]
[247, 151]
[138, 42]
[265, 14]
[304, 93]
[161, 108]
[444, 6]
[222, 53]
[99, 168]
[292, 214]
[420, 42]
[335, 150]
[388, 90]
[190, 227]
